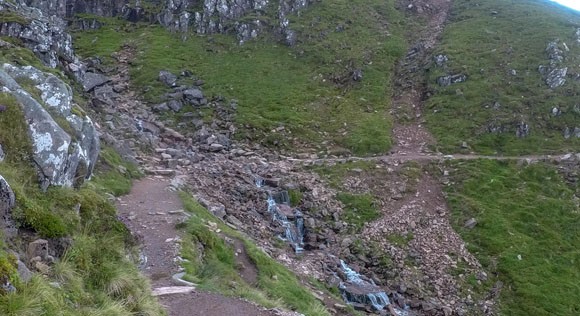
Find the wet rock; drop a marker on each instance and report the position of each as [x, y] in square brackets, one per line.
[167, 78]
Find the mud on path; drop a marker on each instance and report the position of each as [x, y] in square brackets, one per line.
[151, 210]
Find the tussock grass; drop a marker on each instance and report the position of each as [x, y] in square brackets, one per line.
[526, 212]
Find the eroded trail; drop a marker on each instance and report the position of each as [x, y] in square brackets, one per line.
[151, 211]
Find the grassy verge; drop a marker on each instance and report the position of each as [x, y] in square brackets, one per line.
[527, 235]
[487, 41]
[94, 275]
[308, 88]
[213, 266]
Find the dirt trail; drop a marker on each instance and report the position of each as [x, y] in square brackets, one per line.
[151, 212]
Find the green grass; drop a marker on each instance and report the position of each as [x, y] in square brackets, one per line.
[522, 211]
[113, 174]
[16, 143]
[304, 88]
[7, 16]
[486, 46]
[95, 276]
[214, 267]
[359, 209]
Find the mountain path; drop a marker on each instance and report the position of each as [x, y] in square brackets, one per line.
[151, 210]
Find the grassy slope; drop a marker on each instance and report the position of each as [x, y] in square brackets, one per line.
[94, 275]
[486, 46]
[528, 212]
[277, 85]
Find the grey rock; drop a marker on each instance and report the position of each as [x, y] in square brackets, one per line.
[42, 34]
[554, 75]
[104, 96]
[167, 78]
[218, 210]
[7, 203]
[55, 94]
[193, 96]
[2, 154]
[175, 105]
[216, 147]
[91, 80]
[23, 272]
[163, 107]
[440, 60]
[448, 80]
[61, 158]
[470, 223]
[234, 221]
[37, 248]
[522, 130]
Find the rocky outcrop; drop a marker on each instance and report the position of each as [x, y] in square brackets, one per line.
[65, 142]
[46, 37]
[555, 73]
[207, 17]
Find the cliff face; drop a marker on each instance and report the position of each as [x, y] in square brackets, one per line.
[203, 17]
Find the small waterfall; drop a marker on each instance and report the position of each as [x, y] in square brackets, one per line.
[358, 290]
[293, 230]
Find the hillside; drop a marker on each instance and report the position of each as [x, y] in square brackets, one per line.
[290, 157]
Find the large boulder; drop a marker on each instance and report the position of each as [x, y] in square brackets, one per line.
[65, 142]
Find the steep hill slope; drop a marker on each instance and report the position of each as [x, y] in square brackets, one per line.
[332, 157]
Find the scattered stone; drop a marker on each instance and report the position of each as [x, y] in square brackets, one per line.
[448, 80]
[440, 60]
[470, 223]
[234, 221]
[92, 80]
[175, 105]
[167, 78]
[37, 248]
